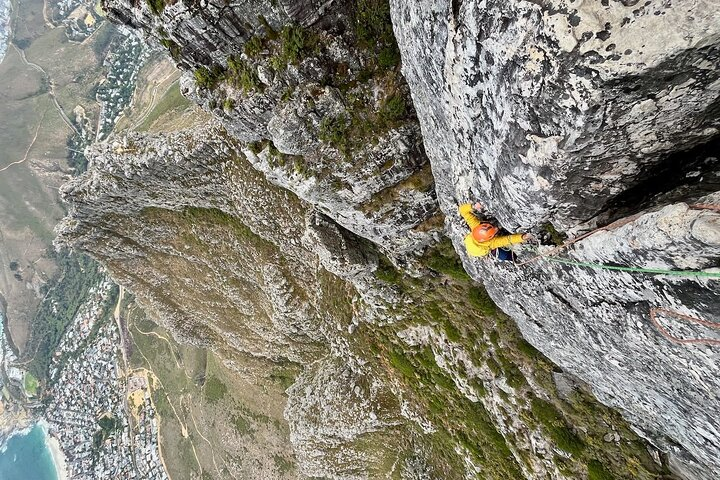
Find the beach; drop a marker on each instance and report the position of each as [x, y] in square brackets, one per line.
[56, 452]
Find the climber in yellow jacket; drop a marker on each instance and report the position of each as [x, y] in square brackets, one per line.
[483, 237]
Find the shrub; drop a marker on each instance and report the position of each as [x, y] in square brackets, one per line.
[241, 75]
[206, 78]
[373, 25]
[402, 364]
[389, 57]
[253, 47]
[451, 332]
[553, 421]
[394, 109]
[293, 39]
[156, 6]
[334, 131]
[228, 105]
[481, 300]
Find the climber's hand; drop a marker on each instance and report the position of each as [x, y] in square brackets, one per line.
[528, 237]
[477, 206]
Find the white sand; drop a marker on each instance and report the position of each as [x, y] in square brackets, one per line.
[57, 454]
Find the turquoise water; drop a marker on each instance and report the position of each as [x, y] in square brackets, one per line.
[27, 458]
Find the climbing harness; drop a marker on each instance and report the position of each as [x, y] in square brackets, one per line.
[654, 311]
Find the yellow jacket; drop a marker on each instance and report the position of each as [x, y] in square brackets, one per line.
[481, 249]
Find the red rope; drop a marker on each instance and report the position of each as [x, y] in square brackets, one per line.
[683, 341]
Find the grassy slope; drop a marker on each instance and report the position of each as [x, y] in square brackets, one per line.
[460, 310]
[231, 422]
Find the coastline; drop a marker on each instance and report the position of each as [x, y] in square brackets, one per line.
[5, 436]
[57, 454]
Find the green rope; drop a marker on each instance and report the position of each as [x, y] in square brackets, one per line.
[658, 271]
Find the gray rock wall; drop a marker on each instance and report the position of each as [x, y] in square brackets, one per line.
[546, 111]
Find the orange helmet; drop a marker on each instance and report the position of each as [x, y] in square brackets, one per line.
[484, 232]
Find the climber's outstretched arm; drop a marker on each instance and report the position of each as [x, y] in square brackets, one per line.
[465, 211]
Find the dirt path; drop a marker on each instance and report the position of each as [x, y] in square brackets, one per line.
[51, 88]
[212, 450]
[27, 152]
[172, 351]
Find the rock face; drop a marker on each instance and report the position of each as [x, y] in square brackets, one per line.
[302, 98]
[546, 112]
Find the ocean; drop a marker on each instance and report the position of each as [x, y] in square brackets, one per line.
[27, 457]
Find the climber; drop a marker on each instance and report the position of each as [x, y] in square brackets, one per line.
[483, 238]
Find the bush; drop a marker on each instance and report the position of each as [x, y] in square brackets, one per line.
[241, 75]
[228, 105]
[335, 132]
[451, 332]
[481, 300]
[387, 272]
[389, 57]
[253, 47]
[394, 109]
[402, 364]
[373, 25]
[293, 39]
[156, 6]
[206, 78]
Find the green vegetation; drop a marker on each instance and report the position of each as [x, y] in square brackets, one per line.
[241, 75]
[108, 425]
[596, 471]
[554, 423]
[558, 238]
[394, 108]
[335, 131]
[156, 6]
[172, 47]
[461, 309]
[214, 389]
[172, 100]
[283, 465]
[31, 384]
[374, 31]
[65, 294]
[253, 47]
[387, 272]
[443, 259]
[295, 42]
[208, 78]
